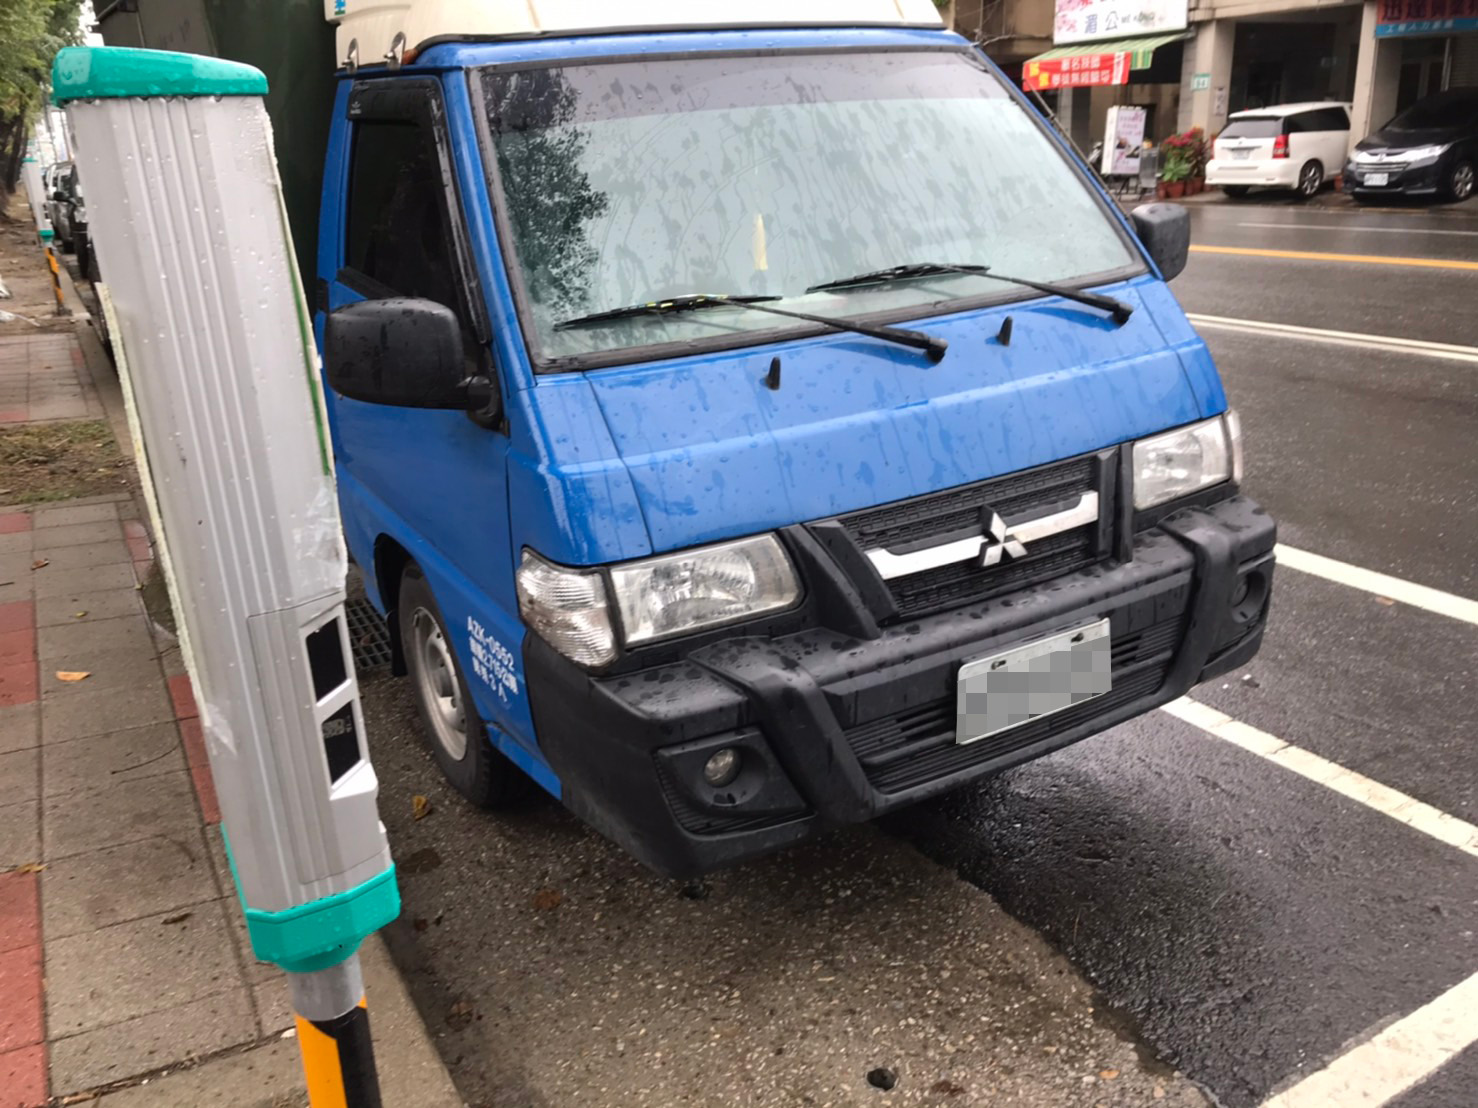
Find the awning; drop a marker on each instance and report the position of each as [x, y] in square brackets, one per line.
[1093, 63]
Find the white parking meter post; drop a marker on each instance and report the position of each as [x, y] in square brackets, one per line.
[175, 153]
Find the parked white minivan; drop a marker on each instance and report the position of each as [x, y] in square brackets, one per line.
[1292, 146]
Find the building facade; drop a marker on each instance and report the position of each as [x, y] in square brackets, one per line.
[1190, 63]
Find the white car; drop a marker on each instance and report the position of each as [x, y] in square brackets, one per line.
[1292, 146]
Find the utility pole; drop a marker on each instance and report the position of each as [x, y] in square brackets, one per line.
[185, 205]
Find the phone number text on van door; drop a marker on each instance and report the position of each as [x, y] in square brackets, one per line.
[492, 662]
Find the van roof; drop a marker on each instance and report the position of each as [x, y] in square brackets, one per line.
[1287, 109]
[373, 26]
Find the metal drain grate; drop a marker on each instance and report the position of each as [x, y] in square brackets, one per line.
[367, 634]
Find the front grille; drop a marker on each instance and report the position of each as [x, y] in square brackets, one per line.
[955, 513]
[918, 746]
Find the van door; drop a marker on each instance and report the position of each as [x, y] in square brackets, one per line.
[432, 482]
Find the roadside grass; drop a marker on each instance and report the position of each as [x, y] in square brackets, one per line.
[45, 462]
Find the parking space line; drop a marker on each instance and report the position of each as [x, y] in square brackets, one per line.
[1450, 351]
[1393, 588]
[1358, 227]
[1321, 256]
[1356, 786]
[1387, 1064]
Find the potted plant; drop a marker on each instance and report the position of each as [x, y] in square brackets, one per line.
[1196, 150]
[1175, 167]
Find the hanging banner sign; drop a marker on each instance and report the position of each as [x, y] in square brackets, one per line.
[1077, 71]
[1425, 17]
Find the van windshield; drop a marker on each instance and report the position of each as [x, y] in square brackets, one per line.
[630, 181]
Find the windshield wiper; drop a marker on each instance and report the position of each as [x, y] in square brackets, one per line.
[930, 345]
[1115, 307]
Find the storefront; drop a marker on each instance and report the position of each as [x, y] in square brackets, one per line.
[1437, 42]
[1108, 54]
[1411, 49]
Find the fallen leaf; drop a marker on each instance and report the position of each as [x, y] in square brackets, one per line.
[30, 867]
[460, 1014]
[79, 615]
[1108, 1075]
[79, 1098]
[169, 921]
[548, 899]
[40, 563]
[72, 676]
[1386, 600]
[420, 807]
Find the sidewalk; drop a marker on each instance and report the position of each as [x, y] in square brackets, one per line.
[125, 970]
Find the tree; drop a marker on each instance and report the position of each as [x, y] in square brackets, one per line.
[31, 32]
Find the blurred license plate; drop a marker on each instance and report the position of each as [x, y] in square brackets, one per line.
[1028, 682]
[1377, 179]
[1243, 154]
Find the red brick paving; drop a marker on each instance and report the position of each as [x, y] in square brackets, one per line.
[19, 684]
[22, 1015]
[17, 616]
[23, 1077]
[193, 737]
[182, 694]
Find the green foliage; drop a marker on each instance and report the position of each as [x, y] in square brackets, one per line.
[31, 32]
[1175, 163]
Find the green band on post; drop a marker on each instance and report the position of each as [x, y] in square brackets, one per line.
[114, 72]
[322, 933]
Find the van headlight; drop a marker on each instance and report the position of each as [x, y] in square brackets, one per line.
[655, 598]
[1186, 460]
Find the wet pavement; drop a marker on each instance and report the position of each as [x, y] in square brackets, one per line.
[1150, 901]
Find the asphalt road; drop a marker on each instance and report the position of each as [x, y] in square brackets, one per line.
[1157, 915]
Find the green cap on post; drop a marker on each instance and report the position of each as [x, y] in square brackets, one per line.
[116, 72]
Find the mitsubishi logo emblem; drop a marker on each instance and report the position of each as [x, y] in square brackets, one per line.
[999, 541]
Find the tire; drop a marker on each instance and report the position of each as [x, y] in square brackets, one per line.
[1460, 181]
[1310, 180]
[1236, 192]
[458, 739]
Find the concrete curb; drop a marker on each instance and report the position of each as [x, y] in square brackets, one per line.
[412, 1074]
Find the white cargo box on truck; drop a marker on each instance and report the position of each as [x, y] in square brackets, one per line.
[372, 27]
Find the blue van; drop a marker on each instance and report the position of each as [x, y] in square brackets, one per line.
[751, 430]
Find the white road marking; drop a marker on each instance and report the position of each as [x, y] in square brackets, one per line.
[1384, 799]
[1387, 1064]
[1393, 588]
[1355, 227]
[1447, 350]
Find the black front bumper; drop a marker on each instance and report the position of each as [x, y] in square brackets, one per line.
[1423, 180]
[836, 729]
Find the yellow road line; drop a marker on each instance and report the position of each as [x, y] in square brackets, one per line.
[1319, 256]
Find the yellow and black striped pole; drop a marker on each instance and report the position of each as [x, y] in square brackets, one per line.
[56, 280]
[334, 1037]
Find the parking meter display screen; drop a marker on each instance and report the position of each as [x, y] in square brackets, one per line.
[626, 182]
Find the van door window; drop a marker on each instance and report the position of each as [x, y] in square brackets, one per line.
[398, 234]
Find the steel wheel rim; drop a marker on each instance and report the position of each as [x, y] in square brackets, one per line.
[1309, 182]
[437, 685]
[1462, 182]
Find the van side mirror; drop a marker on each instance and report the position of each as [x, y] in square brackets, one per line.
[400, 352]
[1165, 231]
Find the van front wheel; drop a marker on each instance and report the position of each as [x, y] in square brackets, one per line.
[459, 740]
